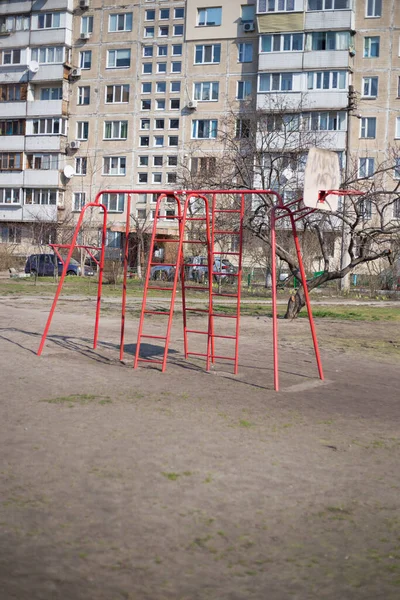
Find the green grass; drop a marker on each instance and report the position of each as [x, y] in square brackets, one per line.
[80, 399]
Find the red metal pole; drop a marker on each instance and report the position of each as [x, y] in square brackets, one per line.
[64, 272]
[100, 282]
[239, 283]
[274, 301]
[307, 299]
[126, 253]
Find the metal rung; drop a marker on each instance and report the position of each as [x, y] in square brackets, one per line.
[196, 354]
[224, 337]
[196, 219]
[168, 217]
[227, 295]
[223, 357]
[194, 242]
[160, 288]
[227, 232]
[222, 315]
[195, 287]
[156, 312]
[196, 331]
[230, 253]
[163, 264]
[231, 210]
[150, 360]
[203, 310]
[225, 273]
[166, 240]
[154, 337]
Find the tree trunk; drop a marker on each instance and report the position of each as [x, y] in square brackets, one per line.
[295, 304]
[139, 260]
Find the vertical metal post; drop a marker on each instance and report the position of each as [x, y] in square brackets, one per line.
[274, 300]
[100, 282]
[126, 256]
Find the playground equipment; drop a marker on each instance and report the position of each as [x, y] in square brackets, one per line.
[321, 189]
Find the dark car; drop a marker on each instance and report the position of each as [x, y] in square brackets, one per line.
[163, 272]
[44, 264]
[197, 269]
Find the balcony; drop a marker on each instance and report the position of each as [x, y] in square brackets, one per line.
[11, 178]
[53, 5]
[326, 100]
[15, 39]
[42, 178]
[48, 73]
[51, 37]
[39, 108]
[326, 59]
[14, 7]
[278, 61]
[331, 140]
[10, 212]
[329, 20]
[12, 109]
[10, 143]
[37, 143]
[13, 74]
[37, 212]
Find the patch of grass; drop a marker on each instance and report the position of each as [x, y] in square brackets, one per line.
[171, 476]
[81, 399]
[243, 423]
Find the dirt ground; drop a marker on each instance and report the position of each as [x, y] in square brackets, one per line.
[118, 484]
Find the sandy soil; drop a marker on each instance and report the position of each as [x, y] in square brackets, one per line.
[119, 484]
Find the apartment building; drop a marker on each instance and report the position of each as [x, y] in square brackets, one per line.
[96, 95]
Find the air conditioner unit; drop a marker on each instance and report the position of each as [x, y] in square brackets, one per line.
[74, 144]
[85, 36]
[84, 4]
[192, 104]
[249, 26]
[77, 72]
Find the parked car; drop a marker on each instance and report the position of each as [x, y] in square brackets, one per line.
[163, 272]
[390, 277]
[197, 269]
[44, 264]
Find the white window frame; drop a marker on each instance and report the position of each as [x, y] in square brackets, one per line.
[81, 165]
[114, 202]
[118, 90]
[79, 201]
[280, 40]
[366, 167]
[244, 89]
[123, 22]
[15, 56]
[371, 42]
[367, 87]
[206, 124]
[11, 196]
[328, 5]
[201, 49]
[83, 94]
[266, 6]
[117, 129]
[276, 82]
[82, 130]
[327, 80]
[114, 166]
[245, 52]
[210, 16]
[52, 55]
[49, 126]
[113, 58]
[373, 9]
[206, 91]
[87, 24]
[55, 93]
[51, 20]
[85, 57]
[397, 132]
[365, 124]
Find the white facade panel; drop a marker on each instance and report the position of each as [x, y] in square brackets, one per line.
[12, 8]
[51, 37]
[36, 143]
[11, 178]
[48, 73]
[42, 178]
[278, 61]
[36, 212]
[10, 212]
[286, 100]
[326, 100]
[12, 110]
[18, 74]
[326, 59]
[16, 39]
[11, 143]
[38, 108]
[329, 20]
[53, 5]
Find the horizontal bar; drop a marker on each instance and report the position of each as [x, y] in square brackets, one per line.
[160, 288]
[196, 219]
[196, 354]
[223, 357]
[194, 242]
[224, 337]
[163, 264]
[151, 360]
[222, 315]
[154, 337]
[195, 287]
[225, 273]
[230, 253]
[231, 210]
[168, 217]
[196, 331]
[166, 240]
[203, 310]
[156, 312]
[227, 295]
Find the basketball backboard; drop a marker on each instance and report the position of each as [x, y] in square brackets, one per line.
[322, 174]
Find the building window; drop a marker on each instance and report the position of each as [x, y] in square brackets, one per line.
[53, 93]
[366, 167]
[175, 87]
[175, 104]
[14, 23]
[245, 53]
[208, 54]
[176, 67]
[242, 129]
[177, 50]
[87, 24]
[161, 67]
[144, 141]
[85, 59]
[173, 140]
[396, 209]
[43, 196]
[81, 165]
[120, 22]
[328, 4]
[12, 92]
[157, 177]
[162, 51]
[368, 127]
[370, 87]
[275, 82]
[43, 162]
[204, 128]
[10, 234]
[79, 200]
[163, 31]
[159, 123]
[10, 161]
[282, 42]
[160, 104]
[325, 121]
[84, 94]
[204, 165]
[206, 91]
[371, 47]
[113, 202]
[10, 57]
[12, 127]
[49, 127]
[373, 8]
[159, 141]
[164, 14]
[117, 94]
[148, 52]
[161, 87]
[328, 40]
[149, 32]
[114, 165]
[149, 15]
[10, 196]
[327, 80]
[209, 17]
[247, 13]
[179, 13]
[275, 6]
[120, 59]
[49, 55]
[143, 161]
[48, 20]
[115, 130]
[82, 130]
[171, 177]
[243, 89]
[286, 122]
[174, 123]
[145, 124]
[396, 174]
[146, 87]
[157, 161]
[143, 177]
[146, 104]
[364, 208]
[177, 30]
[147, 68]
[397, 133]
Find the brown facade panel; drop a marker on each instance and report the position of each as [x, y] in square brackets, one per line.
[282, 22]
